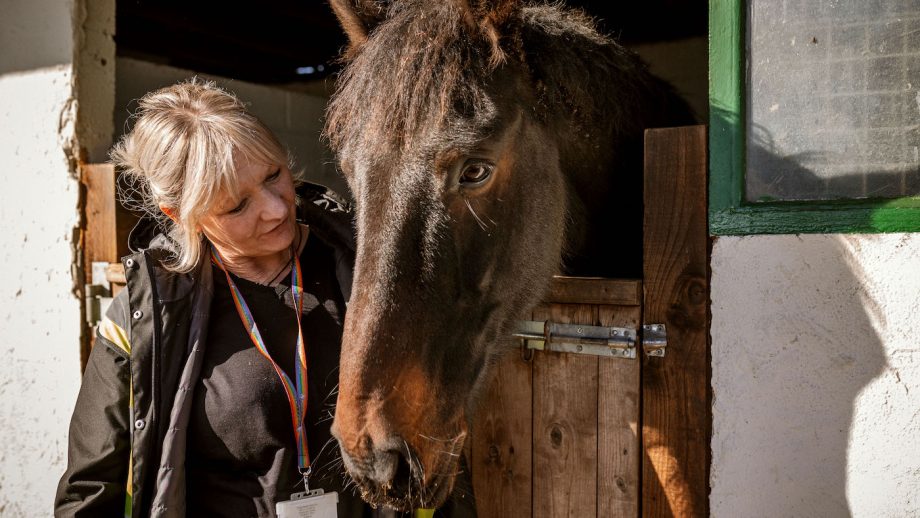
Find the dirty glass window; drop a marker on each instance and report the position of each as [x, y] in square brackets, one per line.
[833, 99]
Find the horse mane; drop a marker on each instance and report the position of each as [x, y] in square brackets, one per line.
[571, 62]
[424, 68]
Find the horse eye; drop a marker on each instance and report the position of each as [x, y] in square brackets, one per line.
[476, 173]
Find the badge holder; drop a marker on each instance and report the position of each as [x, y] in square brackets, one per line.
[314, 503]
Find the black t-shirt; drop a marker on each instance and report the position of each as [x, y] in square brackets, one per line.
[242, 457]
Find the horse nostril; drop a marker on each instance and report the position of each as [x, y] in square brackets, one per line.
[402, 476]
[403, 469]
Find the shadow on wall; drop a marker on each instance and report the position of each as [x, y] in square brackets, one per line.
[795, 341]
[793, 348]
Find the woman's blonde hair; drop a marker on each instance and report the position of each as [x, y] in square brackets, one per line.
[181, 155]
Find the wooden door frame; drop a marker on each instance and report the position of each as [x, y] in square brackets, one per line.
[676, 388]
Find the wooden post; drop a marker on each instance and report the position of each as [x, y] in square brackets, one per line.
[676, 410]
[105, 236]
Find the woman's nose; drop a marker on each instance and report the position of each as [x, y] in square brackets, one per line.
[274, 205]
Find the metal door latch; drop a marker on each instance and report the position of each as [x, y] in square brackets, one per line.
[98, 294]
[616, 342]
[654, 339]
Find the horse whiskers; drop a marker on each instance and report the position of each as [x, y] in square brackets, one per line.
[327, 417]
[423, 436]
[482, 225]
[333, 392]
[449, 453]
[334, 464]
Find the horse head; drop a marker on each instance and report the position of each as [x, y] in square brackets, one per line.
[471, 139]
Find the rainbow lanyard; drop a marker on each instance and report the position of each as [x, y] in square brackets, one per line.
[296, 392]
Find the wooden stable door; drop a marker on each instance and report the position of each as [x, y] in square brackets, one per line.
[585, 433]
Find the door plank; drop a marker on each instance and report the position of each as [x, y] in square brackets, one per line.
[676, 413]
[618, 451]
[594, 290]
[502, 439]
[565, 424]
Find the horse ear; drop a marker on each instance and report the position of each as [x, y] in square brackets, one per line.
[358, 18]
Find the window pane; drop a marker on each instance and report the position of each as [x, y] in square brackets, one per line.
[833, 99]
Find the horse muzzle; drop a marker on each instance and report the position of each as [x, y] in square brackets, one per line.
[392, 472]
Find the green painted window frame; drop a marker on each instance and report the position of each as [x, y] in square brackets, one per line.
[729, 212]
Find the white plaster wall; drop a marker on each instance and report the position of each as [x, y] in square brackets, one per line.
[39, 310]
[816, 376]
[295, 117]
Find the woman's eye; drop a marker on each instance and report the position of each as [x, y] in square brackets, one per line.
[239, 208]
[476, 173]
[274, 176]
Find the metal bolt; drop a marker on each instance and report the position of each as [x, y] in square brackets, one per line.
[129, 263]
[138, 314]
[580, 331]
[578, 348]
[139, 424]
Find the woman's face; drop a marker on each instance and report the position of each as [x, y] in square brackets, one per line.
[261, 222]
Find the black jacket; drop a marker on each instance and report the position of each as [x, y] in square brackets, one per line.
[127, 441]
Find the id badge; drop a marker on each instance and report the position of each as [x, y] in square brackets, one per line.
[312, 504]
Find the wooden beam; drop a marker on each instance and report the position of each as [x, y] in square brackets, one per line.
[676, 411]
[107, 224]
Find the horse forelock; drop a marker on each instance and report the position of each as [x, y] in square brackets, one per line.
[421, 73]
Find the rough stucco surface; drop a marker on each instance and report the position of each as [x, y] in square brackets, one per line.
[816, 376]
[39, 313]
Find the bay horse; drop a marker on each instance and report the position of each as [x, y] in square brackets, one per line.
[488, 145]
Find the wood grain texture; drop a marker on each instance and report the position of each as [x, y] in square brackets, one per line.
[618, 451]
[106, 228]
[107, 222]
[676, 413]
[594, 290]
[501, 443]
[565, 424]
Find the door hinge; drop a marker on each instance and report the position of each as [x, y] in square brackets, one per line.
[615, 342]
[654, 339]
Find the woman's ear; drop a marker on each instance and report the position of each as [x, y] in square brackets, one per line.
[169, 212]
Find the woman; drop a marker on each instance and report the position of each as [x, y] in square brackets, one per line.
[193, 397]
